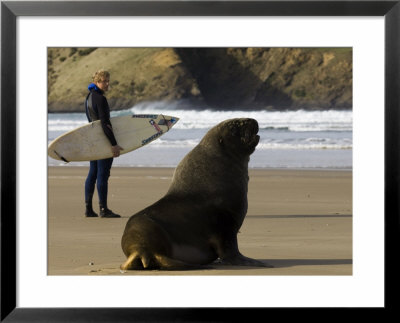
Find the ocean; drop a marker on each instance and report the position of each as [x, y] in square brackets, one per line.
[288, 139]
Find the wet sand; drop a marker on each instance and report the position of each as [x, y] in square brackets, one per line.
[299, 221]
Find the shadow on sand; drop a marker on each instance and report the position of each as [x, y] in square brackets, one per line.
[284, 263]
[294, 216]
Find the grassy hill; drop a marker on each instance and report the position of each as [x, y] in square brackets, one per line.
[220, 78]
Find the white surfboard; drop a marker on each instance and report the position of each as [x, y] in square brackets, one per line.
[90, 143]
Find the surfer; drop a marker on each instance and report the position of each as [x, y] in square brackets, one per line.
[97, 108]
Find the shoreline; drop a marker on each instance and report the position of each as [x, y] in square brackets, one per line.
[268, 168]
[300, 221]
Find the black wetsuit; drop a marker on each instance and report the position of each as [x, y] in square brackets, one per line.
[97, 108]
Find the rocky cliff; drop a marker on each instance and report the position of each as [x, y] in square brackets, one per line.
[218, 78]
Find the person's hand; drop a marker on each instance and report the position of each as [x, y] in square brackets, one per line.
[116, 150]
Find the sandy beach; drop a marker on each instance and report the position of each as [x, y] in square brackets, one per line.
[299, 221]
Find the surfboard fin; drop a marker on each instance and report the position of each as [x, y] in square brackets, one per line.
[61, 157]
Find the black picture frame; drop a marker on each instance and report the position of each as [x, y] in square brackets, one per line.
[10, 10]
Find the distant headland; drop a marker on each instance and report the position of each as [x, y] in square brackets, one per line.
[216, 78]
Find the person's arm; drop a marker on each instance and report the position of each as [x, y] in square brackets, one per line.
[104, 116]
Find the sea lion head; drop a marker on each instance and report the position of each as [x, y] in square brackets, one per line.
[220, 159]
[238, 134]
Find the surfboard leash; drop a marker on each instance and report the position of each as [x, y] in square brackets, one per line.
[166, 122]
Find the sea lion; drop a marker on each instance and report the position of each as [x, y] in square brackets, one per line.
[198, 219]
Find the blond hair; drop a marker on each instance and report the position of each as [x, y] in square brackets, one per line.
[100, 75]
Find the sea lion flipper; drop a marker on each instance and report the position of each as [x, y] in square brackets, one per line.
[167, 263]
[128, 264]
[140, 261]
